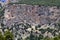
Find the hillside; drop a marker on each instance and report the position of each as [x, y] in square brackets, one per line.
[40, 18]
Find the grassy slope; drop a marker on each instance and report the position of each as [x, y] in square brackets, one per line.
[41, 2]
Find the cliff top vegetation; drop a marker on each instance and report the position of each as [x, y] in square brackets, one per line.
[40, 2]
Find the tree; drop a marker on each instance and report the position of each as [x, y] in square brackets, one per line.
[47, 38]
[31, 36]
[40, 37]
[8, 35]
[27, 38]
[36, 37]
[56, 38]
[1, 36]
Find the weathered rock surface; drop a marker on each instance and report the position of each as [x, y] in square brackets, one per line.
[33, 14]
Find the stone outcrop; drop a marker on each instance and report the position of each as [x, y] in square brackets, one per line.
[32, 14]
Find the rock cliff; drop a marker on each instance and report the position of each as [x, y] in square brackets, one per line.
[32, 14]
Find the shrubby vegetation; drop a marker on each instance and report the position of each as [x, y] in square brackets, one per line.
[32, 37]
[9, 36]
[40, 37]
[6, 36]
[40, 2]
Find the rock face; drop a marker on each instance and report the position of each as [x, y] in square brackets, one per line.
[32, 14]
